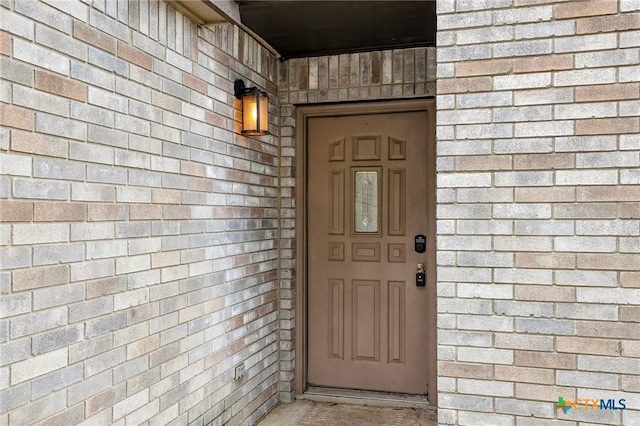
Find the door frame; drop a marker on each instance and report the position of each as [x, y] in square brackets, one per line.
[303, 114]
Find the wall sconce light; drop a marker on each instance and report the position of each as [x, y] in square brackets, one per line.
[255, 109]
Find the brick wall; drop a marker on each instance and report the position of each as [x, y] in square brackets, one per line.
[369, 76]
[538, 210]
[139, 229]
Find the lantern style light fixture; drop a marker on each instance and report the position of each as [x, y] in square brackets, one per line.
[255, 109]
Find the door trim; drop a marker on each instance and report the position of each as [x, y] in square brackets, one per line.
[303, 114]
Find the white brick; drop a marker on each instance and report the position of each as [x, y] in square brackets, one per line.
[484, 131]
[544, 128]
[527, 409]
[465, 306]
[92, 231]
[42, 12]
[585, 110]
[16, 165]
[626, 366]
[584, 77]
[466, 5]
[481, 322]
[522, 211]
[585, 244]
[107, 100]
[483, 35]
[620, 296]
[541, 113]
[58, 126]
[41, 101]
[485, 259]
[587, 311]
[460, 338]
[628, 74]
[543, 96]
[485, 227]
[133, 264]
[457, 180]
[40, 56]
[523, 276]
[486, 356]
[524, 309]
[464, 116]
[586, 42]
[513, 146]
[599, 227]
[475, 100]
[586, 143]
[61, 42]
[545, 326]
[77, 10]
[523, 179]
[545, 29]
[606, 58]
[462, 242]
[92, 75]
[546, 227]
[522, 15]
[104, 248]
[522, 48]
[59, 295]
[92, 192]
[92, 270]
[484, 195]
[630, 177]
[38, 365]
[133, 195]
[630, 142]
[460, 274]
[582, 379]
[468, 418]
[587, 278]
[521, 81]
[629, 38]
[486, 387]
[586, 177]
[16, 24]
[40, 233]
[464, 20]
[130, 298]
[608, 159]
[484, 291]
[630, 109]
[464, 148]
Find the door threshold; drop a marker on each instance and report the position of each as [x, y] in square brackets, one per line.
[361, 397]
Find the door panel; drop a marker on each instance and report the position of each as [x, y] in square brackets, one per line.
[366, 200]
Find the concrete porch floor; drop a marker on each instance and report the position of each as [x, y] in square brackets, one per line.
[313, 413]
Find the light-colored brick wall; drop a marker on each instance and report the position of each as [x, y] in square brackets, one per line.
[538, 210]
[139, 228]
[369, 76]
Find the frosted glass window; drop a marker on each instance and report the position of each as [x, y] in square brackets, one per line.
[366, 202]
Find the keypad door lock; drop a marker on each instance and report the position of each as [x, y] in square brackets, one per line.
[420, 243]
[421, 277]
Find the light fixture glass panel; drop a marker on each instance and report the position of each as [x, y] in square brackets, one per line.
[253, 105]
[367, 203]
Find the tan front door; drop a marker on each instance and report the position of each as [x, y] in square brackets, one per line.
[368, 321]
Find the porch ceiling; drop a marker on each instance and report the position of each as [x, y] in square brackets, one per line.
[316, 28]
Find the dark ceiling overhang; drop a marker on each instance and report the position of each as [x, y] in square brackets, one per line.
[317, 28]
